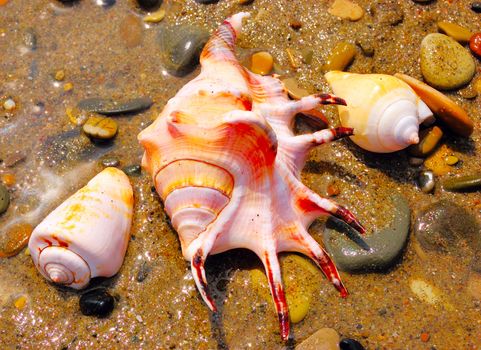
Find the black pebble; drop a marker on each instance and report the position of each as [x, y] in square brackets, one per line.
[350, 344]
[149, 4]
[206, 1]
[476, 7]
[96, 302]
[106, 3]
[132, 170]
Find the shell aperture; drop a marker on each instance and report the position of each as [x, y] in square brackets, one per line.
[226, 163]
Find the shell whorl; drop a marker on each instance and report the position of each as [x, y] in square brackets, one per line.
[383, 110]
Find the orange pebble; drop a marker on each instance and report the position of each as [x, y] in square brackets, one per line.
[8, 179]
[425, 337]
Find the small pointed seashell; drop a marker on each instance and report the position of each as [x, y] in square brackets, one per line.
[384, 112]
[87, 235]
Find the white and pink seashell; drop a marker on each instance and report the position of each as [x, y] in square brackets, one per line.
[87, 235]
[226, 164]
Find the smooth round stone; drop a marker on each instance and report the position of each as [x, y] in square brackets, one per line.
[426, 181]
[463, 183]
[476, 7]
[14, 239]
[350, 344]
[323, 339]
[445, 227]
[445, 64]
[132, 170]
[110, 162]
[294, 91]
[181, 47]
[261, 63]
[346, 9]
[451, 160]
[374, 252]
[100, 127]
[455, 31]
[96, 302]
[155, 17]
[131, 31]
[340, 57]
[475, 44]
[4, 199]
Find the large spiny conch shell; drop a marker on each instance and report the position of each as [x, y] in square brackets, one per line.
[87, 235]
[226, 164]
[383, 110]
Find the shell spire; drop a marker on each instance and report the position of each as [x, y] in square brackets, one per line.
[226, 163]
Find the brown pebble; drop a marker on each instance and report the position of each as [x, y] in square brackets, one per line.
[261, 63]
[346, 9]
[131, 31]
[455, 31]
[100, 127]
[8, 179]
[295, 24]
[14, 239]
[323, 339]
[445, 109]
[293, 89]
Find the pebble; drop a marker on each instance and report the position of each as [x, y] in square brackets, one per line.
[295, 24]
[346, 9]
[30, 39]
[9, 104]
[206, 2]
[323, 339]
[261, 63]
[475, 44]
[131, 31]
[8, 179]
[437, 161]
[14, 239]
[293, 89]
[149, 4]
[387, 12]
[455, 31]
[77, 116]
[4, 199]
[350, 344]
[100, 127]
[468, 92]
[424, 337]
[451, 160]
[446, 227]
[143, 272]
[68, 87]
[97, 302]
[132, 170]
[429, 139]
[20, 302]
[108, 106]
[246, 2]
[445, 64]
[463, 183]
[180, 48]
[110, 162]
[477, 85]
[105, 3]
[59, 75]
[155, 17]
[376, 251]
[425, 291]
[415, 161]
[307, 55]
[299, 302]
[476, 7]
[340, 57]
[426, 181]
[443, 107]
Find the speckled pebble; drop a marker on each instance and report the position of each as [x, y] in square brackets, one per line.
[323, 339]
[4, 199]
[445, 64]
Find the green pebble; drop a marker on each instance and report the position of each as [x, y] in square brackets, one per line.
[463, 183]
[445, 64]
[4, 199]
[132, 170]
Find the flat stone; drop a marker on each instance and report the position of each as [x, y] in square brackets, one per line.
[346, 9]
[374, 252]
[445, 64]
[446, 227]
[455, 31]
[323, 339]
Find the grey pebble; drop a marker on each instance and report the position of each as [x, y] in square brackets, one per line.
[426, 181]
[376, 251]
